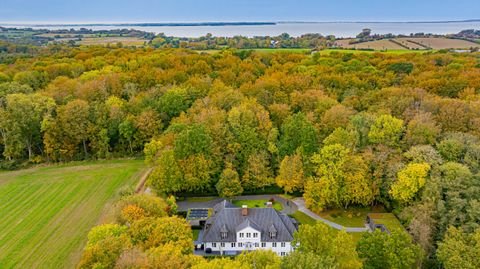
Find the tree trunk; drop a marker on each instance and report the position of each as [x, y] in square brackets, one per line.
[85, 148]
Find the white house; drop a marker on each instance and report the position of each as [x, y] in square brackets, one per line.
[231, 230]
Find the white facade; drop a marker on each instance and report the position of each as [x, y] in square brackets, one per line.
[281, 248]
[249, 239]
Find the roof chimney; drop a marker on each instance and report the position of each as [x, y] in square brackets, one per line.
[269, 204]
[244, 210]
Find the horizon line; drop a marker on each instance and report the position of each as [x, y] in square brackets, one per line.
[205, 23]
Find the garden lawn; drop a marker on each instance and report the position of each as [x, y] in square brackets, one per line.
[303, 218]
[387, 219]
[46, 212]
[257, 203]
[351, 217]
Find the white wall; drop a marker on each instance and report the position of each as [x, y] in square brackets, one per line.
[245, 232]
[268, 245]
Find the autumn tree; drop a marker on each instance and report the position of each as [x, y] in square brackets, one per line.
[409, 181]
[460, 249]
[383, 250]
[229, 184]
[337, 182]
[336, 248]
[291, 176]
[386, 130]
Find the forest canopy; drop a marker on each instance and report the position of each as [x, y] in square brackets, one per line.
[402, 130]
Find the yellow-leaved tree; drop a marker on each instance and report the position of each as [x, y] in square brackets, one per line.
[409, 181]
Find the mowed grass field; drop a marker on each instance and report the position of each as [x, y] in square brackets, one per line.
[46, 212]
[435, 43]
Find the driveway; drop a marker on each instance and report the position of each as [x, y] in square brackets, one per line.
[300, 202]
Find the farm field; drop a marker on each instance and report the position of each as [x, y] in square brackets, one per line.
[431, 42]
[383, 44]
[408, 43]
[48, 211]
[127, 41]
[402, 51]
[445, 43]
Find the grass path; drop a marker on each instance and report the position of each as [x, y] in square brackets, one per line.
[46, 212]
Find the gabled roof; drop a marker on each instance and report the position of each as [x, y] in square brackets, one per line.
[272, 229]
[248, 223]
[261, 219]
[224, 229]
[223, 204]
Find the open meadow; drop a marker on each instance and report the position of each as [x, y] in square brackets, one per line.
[48, 211]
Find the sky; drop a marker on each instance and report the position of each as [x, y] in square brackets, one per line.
[91, 11]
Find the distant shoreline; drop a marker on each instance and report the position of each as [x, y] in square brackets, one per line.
[190, 24]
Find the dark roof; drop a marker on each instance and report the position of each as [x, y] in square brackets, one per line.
[223, 204]
[262, 219]
[247, 223]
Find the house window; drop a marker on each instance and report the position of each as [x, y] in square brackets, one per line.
[222, 245]
[273, 234]
[264, 245]
[233, 245]
[241, 235]
[255, 235]
[214, 245]
[274, 244]
[240, 245]
[256, 245]
[248, 235]
[282, 253]
[282, 244]
[224, 235]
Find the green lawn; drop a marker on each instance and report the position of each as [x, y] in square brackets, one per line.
[48, 211]
[303, 218]
[257, 203]
[389, 220]
[351, 217]
[200, 199]
[195, 233]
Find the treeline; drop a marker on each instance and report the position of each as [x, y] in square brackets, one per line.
[345, 129]
[306, 41]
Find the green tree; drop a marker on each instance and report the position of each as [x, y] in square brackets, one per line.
[459, 249]
[260, 259]
[382, 250]
[174, 101]
[329, 245]
[21, 123]
[229, 184]
[297, 133]
[166, 176]
[194, 139]
[386, 130]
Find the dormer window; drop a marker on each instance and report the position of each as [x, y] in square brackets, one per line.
[224, 232]
[272, 232]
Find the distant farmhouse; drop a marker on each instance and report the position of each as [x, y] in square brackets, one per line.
[230, 230]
